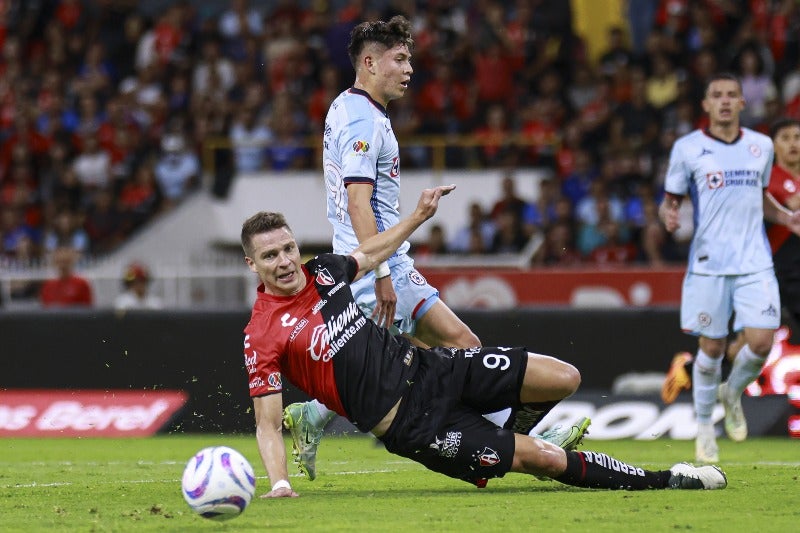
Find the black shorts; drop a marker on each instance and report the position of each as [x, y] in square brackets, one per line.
[439, 422]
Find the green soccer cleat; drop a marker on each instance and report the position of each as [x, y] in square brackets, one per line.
[305, 437]
[567, 437]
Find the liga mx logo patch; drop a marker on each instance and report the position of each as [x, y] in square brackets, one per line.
[361, 147]
[715, 180]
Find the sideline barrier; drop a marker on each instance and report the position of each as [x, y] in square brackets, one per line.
[201, 352]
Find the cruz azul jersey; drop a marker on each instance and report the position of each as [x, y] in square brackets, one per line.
[359, 146]
[320, 341]
[726, 183]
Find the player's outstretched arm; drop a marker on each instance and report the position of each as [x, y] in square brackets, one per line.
[775, 212]
[269, 435]
[380, 247]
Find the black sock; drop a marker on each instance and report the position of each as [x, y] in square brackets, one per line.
[524, 419]
[599, 471]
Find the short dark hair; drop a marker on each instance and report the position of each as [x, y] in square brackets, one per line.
[261, 222]
[389, 34]
[782, 123]
[722, 76]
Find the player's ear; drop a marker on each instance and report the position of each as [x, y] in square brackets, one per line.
[250, 264]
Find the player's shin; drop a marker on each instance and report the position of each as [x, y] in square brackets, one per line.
[600, 471]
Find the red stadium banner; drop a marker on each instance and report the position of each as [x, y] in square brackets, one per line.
[81, 413]
[501, 288]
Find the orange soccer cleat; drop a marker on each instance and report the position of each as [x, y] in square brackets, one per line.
[678, 378]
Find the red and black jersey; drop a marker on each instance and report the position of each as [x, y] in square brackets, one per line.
[320, 341]
[785, 244]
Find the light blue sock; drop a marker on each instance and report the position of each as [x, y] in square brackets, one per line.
[706, 375]
[746, 368]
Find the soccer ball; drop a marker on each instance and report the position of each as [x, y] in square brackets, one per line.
[218, 483]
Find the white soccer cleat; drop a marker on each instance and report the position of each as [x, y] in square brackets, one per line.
[705, 445]
[687, 476]
[735, 422]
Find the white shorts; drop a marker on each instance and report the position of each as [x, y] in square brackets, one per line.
[414, 295]
[708, 302]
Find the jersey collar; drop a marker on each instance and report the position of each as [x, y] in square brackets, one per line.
[708, 133]
[365, 94]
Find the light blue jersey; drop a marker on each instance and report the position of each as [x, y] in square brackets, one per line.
[725, 182]
[359, 146]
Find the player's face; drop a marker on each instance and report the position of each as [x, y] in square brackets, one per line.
[723, 102]
[393, 69]
[275, 257]
[787, 146]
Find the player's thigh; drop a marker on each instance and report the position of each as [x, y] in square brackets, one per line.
[756, 300]
[440, 326]
[706, 305]
[548, 379]
[468, 447]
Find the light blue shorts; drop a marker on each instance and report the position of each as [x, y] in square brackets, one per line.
[708, 302]
[414, 296]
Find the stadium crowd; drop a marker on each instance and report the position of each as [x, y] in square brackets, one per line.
[105, 108]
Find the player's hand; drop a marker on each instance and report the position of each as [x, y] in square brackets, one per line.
[429, 200]
[385, 302]
[668, 213]
[282, 492]
[794, 222]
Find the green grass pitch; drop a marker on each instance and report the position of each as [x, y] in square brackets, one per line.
[134, 485]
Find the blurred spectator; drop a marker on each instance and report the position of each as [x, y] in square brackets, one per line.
[66, 289]
[510, 236]
[576, 185]
[214, 74]
[617, 53]
[93, 165]
[494, 137]
[662, 85]
[136, 293]
[14, 229]
[635, 122]
[436, 243]
[612, 251]
[536, 215]
[177, 171]
[249, 136]
[445, 102]
[477, 235]
[757, 87]
[67, 229]
[104, 222]
[559, 247]
[238, 22]
[140, 198]
[600, 229]
[509, 199]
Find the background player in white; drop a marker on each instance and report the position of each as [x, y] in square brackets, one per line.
[361, 161]
[725, 169]
[784, 185]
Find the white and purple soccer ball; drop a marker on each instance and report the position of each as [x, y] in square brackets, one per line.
[218, 483]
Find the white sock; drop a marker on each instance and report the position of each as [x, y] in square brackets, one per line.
[706, 375]
[746, 368]
[319, 415]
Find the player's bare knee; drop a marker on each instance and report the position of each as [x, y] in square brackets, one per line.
[761, 347]
[570, 379]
